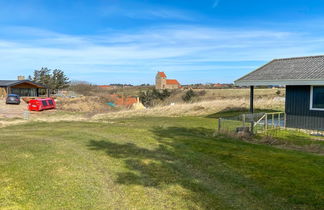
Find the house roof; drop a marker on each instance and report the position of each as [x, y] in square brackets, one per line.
[172, 82]
[162, 74]
[123, 101]
[104, 86]
[287, 71]
[9, 83]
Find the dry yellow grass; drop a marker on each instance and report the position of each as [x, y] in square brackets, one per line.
[217, 94]
[224, 99]
[84, 104]
[195, 109]
[192, 109]
[242, 93]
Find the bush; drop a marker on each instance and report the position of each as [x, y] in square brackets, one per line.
[189, 95]
[165, 94]
[148, 97]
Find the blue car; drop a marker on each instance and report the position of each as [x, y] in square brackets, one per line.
[13, 99]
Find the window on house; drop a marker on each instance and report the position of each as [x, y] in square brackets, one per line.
[317, 97]
[24, 91]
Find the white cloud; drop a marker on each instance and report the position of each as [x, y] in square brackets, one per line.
[145, 12]
[176, 48]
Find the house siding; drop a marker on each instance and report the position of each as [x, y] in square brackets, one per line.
[298, 110]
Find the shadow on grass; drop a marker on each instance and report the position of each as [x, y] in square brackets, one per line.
[171, 163]
[192, 159]
[154, 165]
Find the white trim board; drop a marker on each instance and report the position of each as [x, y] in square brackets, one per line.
[279, 82]
[311, 101]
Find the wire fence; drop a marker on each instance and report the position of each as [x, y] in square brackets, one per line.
[252, 123]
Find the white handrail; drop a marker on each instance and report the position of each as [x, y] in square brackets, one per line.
[257, 122]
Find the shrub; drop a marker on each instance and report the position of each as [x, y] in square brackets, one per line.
[165, 94]
[148, 97]
[189, 95]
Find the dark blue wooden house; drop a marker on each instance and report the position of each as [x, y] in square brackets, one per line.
[303, 78]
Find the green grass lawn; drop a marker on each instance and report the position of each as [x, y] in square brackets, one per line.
[151, 163]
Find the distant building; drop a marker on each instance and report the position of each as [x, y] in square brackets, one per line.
[20, 87]
[105, 86]
[124, 101]
[161, 82]
[218, 85]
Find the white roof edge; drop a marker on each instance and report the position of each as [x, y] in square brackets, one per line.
[278, 82]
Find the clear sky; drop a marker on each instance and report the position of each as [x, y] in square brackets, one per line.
[128, 41]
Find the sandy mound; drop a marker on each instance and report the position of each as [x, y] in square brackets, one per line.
[84, 104]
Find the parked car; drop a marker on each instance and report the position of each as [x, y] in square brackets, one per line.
[41, 104]
[13, 99]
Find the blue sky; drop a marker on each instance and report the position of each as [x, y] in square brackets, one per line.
[123, 41]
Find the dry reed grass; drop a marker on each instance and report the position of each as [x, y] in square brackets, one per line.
[242, 93]
[218, 94]
[82, 109]
[196, 109]
[192, 109]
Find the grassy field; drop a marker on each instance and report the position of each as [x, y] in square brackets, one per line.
[151, 163]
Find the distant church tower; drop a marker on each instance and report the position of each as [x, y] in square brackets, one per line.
[160, 81]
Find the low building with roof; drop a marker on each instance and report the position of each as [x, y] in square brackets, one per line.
[303, 78]
[161, 82]
[20, 87]
[105, 86]
[125, 101]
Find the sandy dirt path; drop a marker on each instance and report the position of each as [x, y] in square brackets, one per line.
[12, 111]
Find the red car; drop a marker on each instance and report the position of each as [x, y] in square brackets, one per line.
[41, 104]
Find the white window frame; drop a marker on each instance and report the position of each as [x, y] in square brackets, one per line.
[311, 99]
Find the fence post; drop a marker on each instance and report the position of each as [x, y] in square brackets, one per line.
[272, 121]
[26, 115]
[252, 127]
[266, 122]
[278, 124]
[219, 124]
[243, 116]
[285, 118]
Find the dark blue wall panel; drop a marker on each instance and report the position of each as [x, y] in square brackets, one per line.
[298, 110]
